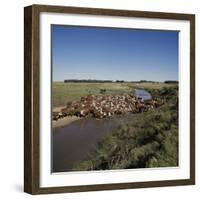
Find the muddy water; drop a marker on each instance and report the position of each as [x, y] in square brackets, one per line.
[74, 142]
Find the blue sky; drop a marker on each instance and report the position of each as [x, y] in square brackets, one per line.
[114, 54]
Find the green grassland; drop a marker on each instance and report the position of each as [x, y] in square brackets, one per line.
[65, 92]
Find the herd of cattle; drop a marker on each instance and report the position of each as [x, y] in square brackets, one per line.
[102, 106]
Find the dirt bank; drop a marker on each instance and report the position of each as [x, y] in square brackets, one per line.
[64, 121]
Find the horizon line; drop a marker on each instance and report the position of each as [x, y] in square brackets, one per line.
[116, 80]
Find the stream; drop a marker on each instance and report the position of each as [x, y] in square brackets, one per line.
[74, 142]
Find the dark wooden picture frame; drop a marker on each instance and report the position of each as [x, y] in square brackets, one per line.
[32, 103]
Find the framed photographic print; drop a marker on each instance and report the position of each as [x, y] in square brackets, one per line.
[109, 99]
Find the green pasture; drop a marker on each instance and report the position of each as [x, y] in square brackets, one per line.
[65, 92]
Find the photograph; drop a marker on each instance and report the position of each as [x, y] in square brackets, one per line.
[109, 99]
[114, 98]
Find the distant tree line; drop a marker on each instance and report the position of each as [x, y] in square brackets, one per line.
[144, 81]
[87, 81]
[119, 81]
[171, 81]
[111, 81]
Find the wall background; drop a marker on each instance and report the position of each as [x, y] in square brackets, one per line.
[11, 99]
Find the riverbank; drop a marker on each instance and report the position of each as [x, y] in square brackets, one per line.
[147, 141]
[64, 121]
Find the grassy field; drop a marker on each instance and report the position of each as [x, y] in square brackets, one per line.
[65, 92]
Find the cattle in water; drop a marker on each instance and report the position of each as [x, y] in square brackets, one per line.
[102, 106]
